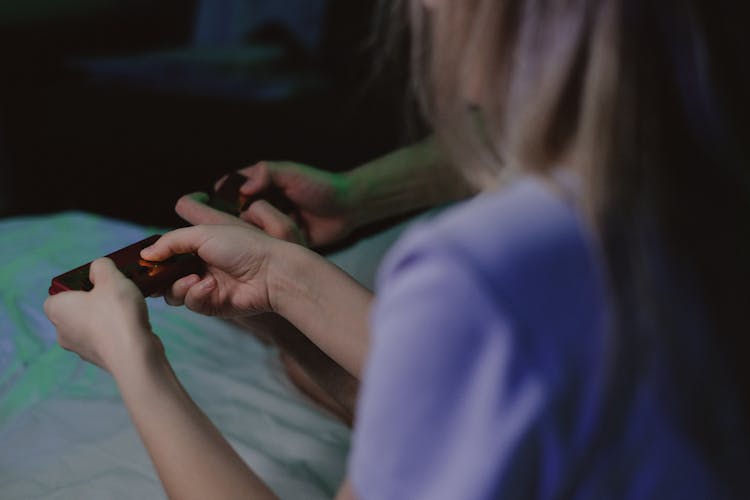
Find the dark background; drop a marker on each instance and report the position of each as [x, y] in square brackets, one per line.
[85, 124]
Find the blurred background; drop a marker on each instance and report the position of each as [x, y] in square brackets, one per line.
[118, 107]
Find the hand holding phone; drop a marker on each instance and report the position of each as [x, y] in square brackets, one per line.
[229, 199]
[150, 277]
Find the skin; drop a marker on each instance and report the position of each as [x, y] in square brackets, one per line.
[311, 369]
[249, 273]
[109, 327]
[190, 456]
[329, 207]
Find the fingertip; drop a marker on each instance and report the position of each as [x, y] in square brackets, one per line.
[198, 297]
[186, 282]
[149, 253]
[258, 178]
[102, 262]
[250, 187]
[178, 241]
[199, 291]
[206, 284]
[198, 196]
[158, 250]
[185, 203]
[100, 269]
[262, 208]
[251, 216]
[194, 208]
[247, 188]
[175, 294]
[264, 215]
[171, 300]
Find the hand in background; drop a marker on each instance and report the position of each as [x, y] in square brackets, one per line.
[106, 326]
[323, 214]
[320, 217]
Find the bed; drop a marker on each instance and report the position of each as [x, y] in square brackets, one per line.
[64, 432]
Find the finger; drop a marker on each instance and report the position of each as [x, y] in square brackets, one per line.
[193, 209]
[199, 295]
[175, 296]
[173, 299]
[259, 177]
[58, 304]
[179, 241]
[50, 306]
[274, 222]
[102, 271]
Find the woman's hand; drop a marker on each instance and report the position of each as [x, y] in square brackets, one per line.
[239, 262]
[109, 327]
[106, 326]
[323, 214]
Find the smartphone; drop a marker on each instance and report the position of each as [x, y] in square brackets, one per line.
[150, 277]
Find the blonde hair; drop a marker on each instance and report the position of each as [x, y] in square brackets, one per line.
[648, 102]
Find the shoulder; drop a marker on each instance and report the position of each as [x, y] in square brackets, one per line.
[525, 223]
[478, 303]
[525, 246]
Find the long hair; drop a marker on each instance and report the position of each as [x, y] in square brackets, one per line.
[648, 101]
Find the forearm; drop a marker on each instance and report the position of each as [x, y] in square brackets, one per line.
[412, 178]
[191, 456]
[327, 374]
[324, 303]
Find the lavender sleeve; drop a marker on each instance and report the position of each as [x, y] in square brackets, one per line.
[447, 397]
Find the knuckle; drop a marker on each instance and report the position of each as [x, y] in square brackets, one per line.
[48, 308]
[289, 230]
[62, 341]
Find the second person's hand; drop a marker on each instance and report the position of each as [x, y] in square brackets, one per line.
[323, 212]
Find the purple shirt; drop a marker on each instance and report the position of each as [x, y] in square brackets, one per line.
[484, 379]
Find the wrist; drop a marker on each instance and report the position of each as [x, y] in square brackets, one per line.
[324, 303]
[412, 178]
[288, 276]
[144, 353]
[354, 199]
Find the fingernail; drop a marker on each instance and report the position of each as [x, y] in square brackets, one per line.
[208, 283]
[192, 281]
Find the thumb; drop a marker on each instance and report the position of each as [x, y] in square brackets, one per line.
[179, 241]
[102, 271]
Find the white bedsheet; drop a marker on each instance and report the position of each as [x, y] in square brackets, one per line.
[64, 432]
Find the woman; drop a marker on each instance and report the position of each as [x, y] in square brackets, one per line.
[578, 333]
